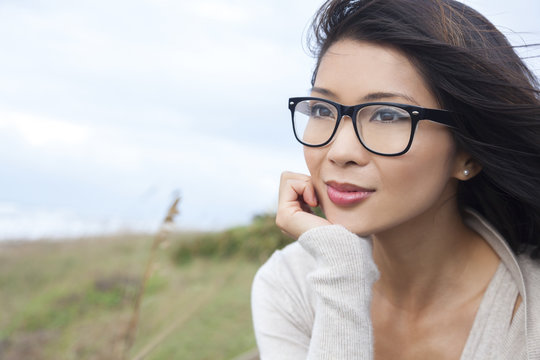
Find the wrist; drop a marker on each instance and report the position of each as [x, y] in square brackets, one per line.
[334, 245]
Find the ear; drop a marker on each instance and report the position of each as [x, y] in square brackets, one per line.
[465, 166]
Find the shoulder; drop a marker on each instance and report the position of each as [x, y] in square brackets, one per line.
[530, 269]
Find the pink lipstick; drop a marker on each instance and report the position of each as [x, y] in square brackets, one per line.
[346, 194]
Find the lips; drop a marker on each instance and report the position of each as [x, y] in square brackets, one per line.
[346, 194]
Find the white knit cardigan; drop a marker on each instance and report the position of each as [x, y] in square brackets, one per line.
[307, 303]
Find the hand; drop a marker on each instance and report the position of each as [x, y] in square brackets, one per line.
[296, 196]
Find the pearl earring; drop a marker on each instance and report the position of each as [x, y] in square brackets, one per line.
[466, 172]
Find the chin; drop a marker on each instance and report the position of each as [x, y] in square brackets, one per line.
[355, 223]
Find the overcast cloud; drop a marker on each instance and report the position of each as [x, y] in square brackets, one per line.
[109, 107]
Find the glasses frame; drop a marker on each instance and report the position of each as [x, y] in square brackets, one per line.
[416, 113]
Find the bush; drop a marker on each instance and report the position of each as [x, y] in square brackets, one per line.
[256, 241]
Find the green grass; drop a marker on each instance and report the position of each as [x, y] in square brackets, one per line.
[254, 242]
[73, 299]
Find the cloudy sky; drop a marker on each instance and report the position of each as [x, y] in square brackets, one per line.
[109, 108]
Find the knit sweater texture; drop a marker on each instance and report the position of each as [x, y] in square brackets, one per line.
[312, 299]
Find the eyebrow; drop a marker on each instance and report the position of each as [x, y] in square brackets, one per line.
[375, 96]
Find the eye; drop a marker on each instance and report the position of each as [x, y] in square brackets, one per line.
[321, 110]
[389, 114]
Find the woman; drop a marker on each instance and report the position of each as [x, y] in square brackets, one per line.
[422, 138]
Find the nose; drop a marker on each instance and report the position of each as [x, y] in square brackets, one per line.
[345, 148]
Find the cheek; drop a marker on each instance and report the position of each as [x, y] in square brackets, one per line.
[313, 158]
[422, 174]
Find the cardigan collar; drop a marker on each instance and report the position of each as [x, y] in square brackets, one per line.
[508, 258]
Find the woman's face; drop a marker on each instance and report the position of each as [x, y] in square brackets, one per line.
[369, 193]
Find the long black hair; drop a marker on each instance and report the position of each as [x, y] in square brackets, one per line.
[472, 70]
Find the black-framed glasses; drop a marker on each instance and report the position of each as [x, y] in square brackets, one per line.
[383, 128]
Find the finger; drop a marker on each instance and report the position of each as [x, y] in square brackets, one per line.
[309, 195]
[297, 190]
[296, 195]
[287, 175]
[306, 208]
[304, 191]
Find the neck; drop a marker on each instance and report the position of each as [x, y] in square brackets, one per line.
[431, 259]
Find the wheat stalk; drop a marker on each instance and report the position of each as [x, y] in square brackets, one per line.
[131, 331]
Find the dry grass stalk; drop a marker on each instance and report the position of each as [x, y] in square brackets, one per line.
[158, 239]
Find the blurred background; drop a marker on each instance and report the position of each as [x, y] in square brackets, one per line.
[109, 110]
[108, 107]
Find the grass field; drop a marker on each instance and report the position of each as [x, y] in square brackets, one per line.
[74, 299]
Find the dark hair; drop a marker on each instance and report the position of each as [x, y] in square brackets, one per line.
[474, 71]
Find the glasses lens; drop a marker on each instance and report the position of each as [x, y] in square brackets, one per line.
[384, 129]
[314, 121]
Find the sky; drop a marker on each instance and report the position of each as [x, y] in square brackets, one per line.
[108, 109]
